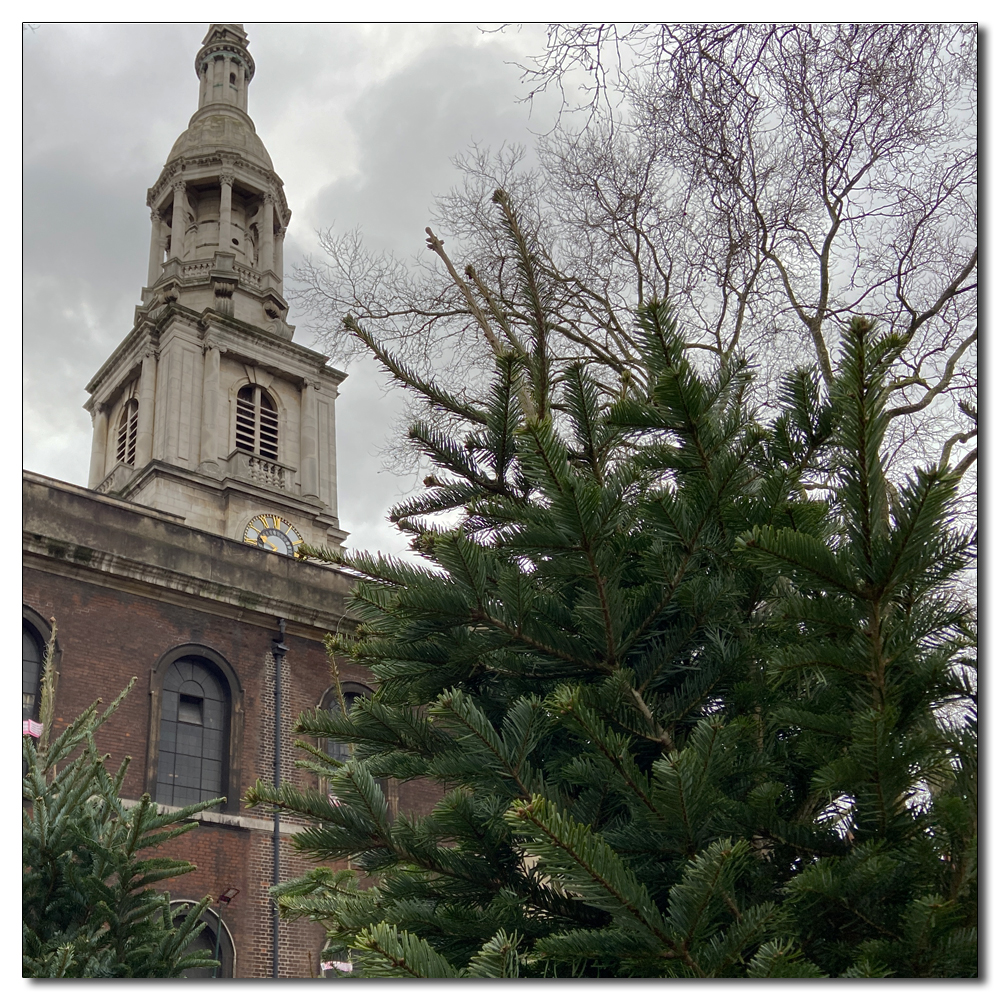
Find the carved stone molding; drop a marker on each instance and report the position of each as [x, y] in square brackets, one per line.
[274, 308]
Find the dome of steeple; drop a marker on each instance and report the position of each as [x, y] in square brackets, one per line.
[217, 129]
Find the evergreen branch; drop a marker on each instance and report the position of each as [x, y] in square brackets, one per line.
[409, 379]
[572, 850]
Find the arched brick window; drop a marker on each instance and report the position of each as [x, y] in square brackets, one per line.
[35, 632]
[207, 939]
[32, 655]
[331, 703]
[195, 729]
[256, 422]
[194, 720]
[342, 751]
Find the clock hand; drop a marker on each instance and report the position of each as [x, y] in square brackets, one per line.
[273, 546]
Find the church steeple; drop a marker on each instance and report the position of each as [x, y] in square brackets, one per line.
[207, 410]
[218, 201]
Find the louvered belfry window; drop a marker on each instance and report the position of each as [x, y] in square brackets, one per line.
[128, 427]
[256, 422]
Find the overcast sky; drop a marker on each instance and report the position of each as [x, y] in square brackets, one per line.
[361, 123]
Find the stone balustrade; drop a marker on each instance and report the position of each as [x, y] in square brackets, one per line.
[116, 478]
[262, 471]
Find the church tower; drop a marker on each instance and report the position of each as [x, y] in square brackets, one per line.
[207, 409]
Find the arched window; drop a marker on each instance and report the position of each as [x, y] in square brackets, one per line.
[193, 724]
[207, 939]
[341, 751]
[256, 422]
[128, 426]
[331, 703]
[195, 729]
[32, 656]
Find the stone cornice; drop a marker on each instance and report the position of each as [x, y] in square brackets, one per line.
[227, 485]
[267, 180]
[144, 331]
[77, 533]
[236, 335]
[248, 336]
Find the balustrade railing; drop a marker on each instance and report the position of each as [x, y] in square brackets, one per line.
[248, 275]
[116, 478]
[263, 471]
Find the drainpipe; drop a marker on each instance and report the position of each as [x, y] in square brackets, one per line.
[278, 649]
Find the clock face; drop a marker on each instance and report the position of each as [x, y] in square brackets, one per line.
[273, 534]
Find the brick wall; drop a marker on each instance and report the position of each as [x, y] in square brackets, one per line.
[107, 636]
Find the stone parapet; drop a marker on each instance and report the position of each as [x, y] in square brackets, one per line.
[79, 533]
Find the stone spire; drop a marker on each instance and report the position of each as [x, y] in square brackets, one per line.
[224, 67]
[218, 209]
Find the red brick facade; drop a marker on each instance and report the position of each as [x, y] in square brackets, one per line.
[116, 620]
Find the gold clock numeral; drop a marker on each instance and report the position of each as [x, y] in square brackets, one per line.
[276, 521]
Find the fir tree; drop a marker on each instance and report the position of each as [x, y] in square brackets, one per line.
[88, 906]
[688, 721]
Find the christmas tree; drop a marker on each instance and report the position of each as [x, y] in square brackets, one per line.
[697, 685]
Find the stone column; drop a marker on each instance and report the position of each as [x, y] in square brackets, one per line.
[147, 399]
[99, 449]
[226, 178]
[203, 86]
[155, 250]
[267, 233]
[241, 79]
[210, 412]
[178, 228]
[279, 257]
[309, 443]
[218, 65]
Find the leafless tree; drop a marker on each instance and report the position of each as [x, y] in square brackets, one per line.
[770, 180]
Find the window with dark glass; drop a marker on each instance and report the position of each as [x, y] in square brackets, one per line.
[194, 725]
[331, 703]
[207, 939]
[256, 422]
[128, 427]
[32, 655]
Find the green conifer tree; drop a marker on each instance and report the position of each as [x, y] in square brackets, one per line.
[88, 906]
[687, 720]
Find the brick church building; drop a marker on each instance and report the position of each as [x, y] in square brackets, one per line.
[213, 458]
